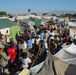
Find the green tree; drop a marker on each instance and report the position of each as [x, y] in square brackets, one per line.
[62, 15]
[53, 14]
[3, 13]
[34, 14]
[29, 10]
[10, 16]
[44, 14]
[74, 15]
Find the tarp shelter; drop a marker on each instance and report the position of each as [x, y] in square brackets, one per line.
[72, 32]
[28, 22]
[3, 31]
[62, 54]
[34, 69]
[44, 21]
[25, 24]
[5, 24]
[72, 24]
[67, 54]
[14, 31]
[24, 72]
[71, 49]
[36, 21]
[54, 66]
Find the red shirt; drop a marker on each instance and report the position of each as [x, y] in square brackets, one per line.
[12, 52]
[25, 35]
[66, 37]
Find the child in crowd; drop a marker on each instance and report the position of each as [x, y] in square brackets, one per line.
[25, 60]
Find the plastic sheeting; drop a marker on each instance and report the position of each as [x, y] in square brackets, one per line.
[62, 54]
[72, 32]
[54, 66]
[72, 24]
[71, 49]
[67, 54]
[3, 31]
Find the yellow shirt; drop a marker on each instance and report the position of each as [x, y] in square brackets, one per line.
[37, 41]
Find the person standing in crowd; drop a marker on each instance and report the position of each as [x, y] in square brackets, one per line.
[12, 51]
[23, 46]
[52, 46]
[2, 40]
[42, 35]
[4, 58]
[52, 34]
[25, 60]
[46, 35]
[37, 40]
[7, 36]
[29, 43]
[75, 39]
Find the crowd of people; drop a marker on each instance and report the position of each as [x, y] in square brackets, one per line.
[16, 56]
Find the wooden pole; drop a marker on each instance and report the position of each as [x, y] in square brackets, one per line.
[36, 55]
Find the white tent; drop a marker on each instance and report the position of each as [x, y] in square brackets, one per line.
[72, 32]
[62, 54]
[71, 60]
[27, 22]
[63, 45]
[67, 54]
[3, 31]
[72, 24]
[71, 49]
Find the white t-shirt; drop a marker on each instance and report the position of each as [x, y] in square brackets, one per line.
[25, 62]
[46, 46]
[49, 32]
[52, 33]
[33, 40]
[25, 44]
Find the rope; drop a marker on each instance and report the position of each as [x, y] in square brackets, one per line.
[36, 55]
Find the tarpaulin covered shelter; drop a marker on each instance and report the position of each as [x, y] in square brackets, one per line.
[72, 24]
[72, 32]
[5, 24]
[67, 54]
[71, 49]
[36, 21]
[28, 22]
[53, 66]
[14, 32]
[44, 21]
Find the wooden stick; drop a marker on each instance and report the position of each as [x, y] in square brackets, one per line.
[36, 55]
